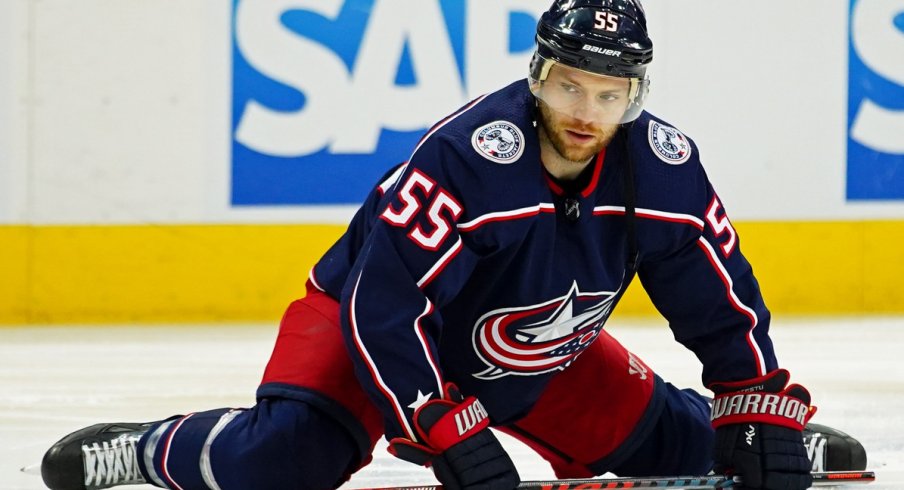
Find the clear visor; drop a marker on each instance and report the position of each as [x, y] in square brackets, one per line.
[588, 97]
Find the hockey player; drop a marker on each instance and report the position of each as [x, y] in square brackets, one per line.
[471, 290]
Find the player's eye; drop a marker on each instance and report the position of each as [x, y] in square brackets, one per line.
[608, 97]
[569, 88]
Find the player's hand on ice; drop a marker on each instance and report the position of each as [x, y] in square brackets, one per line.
[758, 426]
[456, 442]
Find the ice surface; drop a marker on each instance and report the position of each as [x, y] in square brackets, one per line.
[57, 379]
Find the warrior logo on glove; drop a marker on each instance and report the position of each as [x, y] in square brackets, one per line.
[724, 408]
[781, 404]
[469, 417]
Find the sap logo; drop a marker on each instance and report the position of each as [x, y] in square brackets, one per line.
[327, 94]
[347, 105]
[876, 100]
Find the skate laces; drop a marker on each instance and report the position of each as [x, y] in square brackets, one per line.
[113, 462]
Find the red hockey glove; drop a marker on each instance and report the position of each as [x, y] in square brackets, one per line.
[458, 445]
[758, 426]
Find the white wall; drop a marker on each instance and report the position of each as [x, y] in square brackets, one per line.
[128, 93]
[14, 94]
[118, 111]
[761, 87]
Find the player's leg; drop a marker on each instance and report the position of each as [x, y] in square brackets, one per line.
[311, 428]
[310, 364]
[608, 411]
[680, 442]
[278, 443]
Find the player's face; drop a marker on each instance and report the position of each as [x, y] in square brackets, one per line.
[580, 111]
[585, 96]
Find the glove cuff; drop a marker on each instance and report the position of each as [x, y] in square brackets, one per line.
[766, 400]
[411, 451]
[768, 408]
[460, 422]
[771, 382]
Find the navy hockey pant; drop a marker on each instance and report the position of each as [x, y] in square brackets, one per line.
[277, 444]
[313, 426]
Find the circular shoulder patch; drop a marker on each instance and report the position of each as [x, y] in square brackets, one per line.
[499, 141]
[670, 145]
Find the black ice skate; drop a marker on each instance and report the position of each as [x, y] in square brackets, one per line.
[832, 450]
[100, 456]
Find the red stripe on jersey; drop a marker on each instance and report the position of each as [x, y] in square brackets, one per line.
[591, 186]
[556, 188]
[596, 174]
[735, 303]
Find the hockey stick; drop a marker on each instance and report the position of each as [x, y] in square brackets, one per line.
[821, 479]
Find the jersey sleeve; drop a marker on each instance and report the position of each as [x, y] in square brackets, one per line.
[706, 289]
[331, 271]
[411, 264]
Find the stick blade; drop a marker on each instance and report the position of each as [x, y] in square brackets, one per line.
[833, 478]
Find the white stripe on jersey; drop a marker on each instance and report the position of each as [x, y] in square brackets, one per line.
[314, 280]
[375, 373]
[428, 308]
[736, 302]
[429, 276]
[652, 213]
[392, 179]
[505, 215]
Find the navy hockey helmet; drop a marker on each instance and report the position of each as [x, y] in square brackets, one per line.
[601, 37]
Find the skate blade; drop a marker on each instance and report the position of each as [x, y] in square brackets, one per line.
[32, 469]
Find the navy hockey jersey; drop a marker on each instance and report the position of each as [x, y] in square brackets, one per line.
[469, 264]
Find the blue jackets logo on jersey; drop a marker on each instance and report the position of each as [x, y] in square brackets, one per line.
[540, 338]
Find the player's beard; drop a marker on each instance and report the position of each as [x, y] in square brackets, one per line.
[556, 125]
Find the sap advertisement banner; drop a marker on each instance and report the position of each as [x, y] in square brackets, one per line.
[875, 156]
[328, 94]
[285, 111]
[191, 159]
